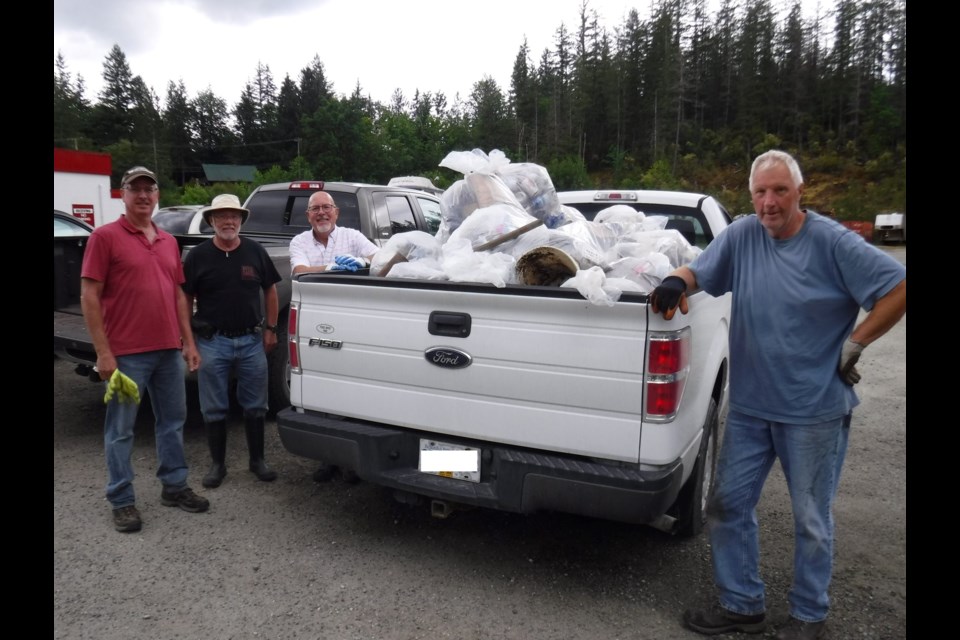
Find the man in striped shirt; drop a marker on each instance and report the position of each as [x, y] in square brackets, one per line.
[327, 247]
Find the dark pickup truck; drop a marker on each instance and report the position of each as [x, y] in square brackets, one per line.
[277, 213]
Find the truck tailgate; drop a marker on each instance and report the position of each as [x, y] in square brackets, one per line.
[548, 370]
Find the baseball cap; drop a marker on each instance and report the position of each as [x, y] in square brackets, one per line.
[137, 172]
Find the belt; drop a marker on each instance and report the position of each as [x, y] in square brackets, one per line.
[236, 333]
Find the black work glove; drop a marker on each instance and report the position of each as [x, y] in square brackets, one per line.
[671, 293]
[849, 356]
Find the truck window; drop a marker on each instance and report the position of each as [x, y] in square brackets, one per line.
[346, 202]
[431, 214]
[401, 214]
[267, 211]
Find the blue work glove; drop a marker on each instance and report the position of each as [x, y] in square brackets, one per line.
[349, 263]
[671, 293]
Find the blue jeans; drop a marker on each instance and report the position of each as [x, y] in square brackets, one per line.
[219, 357]
[160, 374]
[812, 457]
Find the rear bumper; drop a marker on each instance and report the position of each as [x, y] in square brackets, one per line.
[71, 342]
[511, 478]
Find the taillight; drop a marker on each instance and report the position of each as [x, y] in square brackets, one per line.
[292, 339]
[310, 184]
[668, 362]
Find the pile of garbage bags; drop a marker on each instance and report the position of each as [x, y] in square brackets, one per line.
[503, 224]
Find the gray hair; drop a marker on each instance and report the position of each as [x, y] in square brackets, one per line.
[766, 160]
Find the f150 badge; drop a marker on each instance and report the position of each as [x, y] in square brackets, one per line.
[325, 343]
[448, 357]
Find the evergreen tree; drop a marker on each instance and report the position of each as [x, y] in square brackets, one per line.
[631, 124]
[178, 121]
[211, 132]
[288, 121]
[490, 116]
[70, 108]
[758, 96]
[314, 88]
[112, 118]
[245, 126]
[523, 103]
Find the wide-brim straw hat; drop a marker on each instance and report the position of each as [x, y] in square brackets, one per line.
[225, 202]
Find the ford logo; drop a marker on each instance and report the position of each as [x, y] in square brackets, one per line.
[447, 357]
[324, 328]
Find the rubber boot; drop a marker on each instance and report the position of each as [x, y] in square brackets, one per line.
[254, 425]
[217, 439]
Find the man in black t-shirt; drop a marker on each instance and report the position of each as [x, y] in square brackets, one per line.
[233, 330]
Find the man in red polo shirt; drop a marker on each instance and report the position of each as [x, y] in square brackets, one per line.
[139, 321]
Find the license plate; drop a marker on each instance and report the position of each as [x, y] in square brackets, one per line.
[449, 460]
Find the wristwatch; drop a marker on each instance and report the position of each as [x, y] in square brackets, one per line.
[270, 327]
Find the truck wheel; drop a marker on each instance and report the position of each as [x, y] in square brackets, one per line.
[278, 370]
[691, 505]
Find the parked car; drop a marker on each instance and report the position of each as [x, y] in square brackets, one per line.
[890, 227]
[176, 219]
[68, 226]
[70, 237]
[415, 182]
[692, 214]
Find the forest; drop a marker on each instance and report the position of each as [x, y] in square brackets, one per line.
[683, 100]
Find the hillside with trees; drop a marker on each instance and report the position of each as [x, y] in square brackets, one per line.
[683, 100]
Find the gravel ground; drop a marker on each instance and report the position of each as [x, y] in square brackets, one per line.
[296, 559]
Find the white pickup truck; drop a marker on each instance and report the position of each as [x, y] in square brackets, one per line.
[535, 398]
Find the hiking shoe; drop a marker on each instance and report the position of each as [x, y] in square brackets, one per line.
[717, 620]
[186, 499]
[799, 630]
[127, 519]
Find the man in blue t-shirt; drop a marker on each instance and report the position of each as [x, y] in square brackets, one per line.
[798, 283]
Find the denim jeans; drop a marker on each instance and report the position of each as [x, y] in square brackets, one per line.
[219, 356]
[160, 374]
[811, 457]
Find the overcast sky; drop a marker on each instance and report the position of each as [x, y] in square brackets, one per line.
[430, 45]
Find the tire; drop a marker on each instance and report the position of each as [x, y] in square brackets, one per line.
[690, 509]
[278, 370]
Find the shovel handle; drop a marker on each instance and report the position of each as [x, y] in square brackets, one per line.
[509, 235]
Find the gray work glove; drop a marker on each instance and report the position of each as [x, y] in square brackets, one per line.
[848, 358]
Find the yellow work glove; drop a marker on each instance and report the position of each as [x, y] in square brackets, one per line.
[125, 388]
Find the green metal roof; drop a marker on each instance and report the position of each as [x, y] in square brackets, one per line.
[229, 172]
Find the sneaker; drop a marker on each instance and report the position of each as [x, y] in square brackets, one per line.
[717, 620]
[799, 630]
[127, 519]
[186, 499]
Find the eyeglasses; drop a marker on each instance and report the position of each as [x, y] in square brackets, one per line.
[326, 208]
[144, 190]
